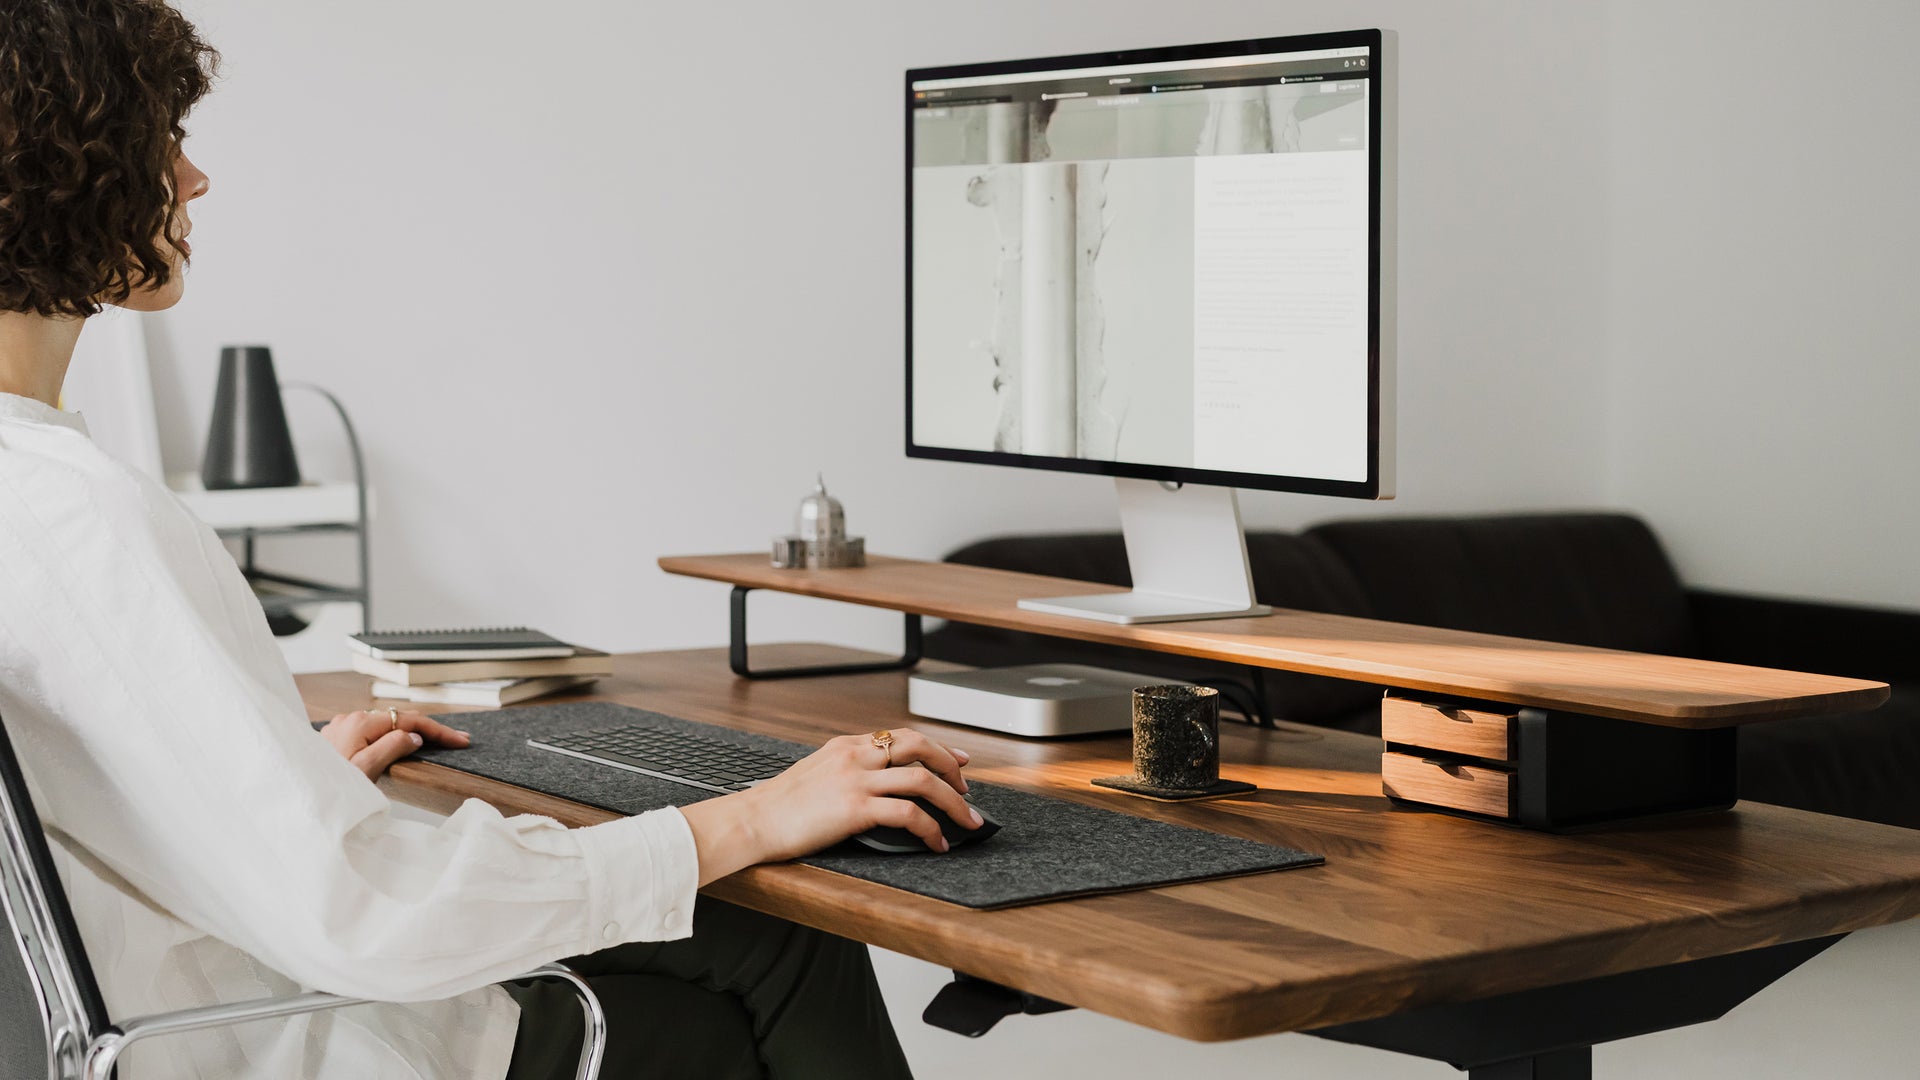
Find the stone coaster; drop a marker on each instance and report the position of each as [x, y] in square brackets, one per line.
[1046, 848]
[1132, 785]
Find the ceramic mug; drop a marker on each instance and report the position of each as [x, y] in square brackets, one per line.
[1176, 736]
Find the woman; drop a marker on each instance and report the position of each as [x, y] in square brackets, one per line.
[215, 848]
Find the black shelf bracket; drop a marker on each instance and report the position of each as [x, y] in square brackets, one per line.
[970, 1006]
[737, 649]
[1550, 1033]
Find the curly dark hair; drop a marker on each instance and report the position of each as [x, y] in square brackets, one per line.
[92, 97]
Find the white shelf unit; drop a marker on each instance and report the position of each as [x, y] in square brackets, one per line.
[310, 505]
[247, 514]
[330, 610]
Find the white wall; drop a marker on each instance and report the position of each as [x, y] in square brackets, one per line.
[1763, 367]
[597, 289]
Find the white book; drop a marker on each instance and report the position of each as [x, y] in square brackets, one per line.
[495, 692]
[403, 673]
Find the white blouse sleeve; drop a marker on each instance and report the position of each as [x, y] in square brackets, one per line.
[164, 735]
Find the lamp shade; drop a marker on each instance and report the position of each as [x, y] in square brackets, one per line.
[248, 444]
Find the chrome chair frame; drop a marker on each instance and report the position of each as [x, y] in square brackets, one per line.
[82, 1042]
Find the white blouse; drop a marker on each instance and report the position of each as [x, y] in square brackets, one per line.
[216, 849]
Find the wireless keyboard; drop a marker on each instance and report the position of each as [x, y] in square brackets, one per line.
[693, 760]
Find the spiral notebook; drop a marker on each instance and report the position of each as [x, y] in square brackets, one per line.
[482, 643]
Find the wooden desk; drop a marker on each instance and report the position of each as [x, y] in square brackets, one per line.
[1413, 911]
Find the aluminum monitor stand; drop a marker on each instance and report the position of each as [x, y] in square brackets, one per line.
[1188, 554]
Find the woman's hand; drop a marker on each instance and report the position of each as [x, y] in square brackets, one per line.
[373, 739]
[845, 787]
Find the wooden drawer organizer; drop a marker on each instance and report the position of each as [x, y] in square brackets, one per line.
[1545, 769]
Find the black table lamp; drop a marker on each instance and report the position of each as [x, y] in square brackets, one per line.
[248, 444]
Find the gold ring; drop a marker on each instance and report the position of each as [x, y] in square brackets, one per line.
[884, 740]
[393, 718]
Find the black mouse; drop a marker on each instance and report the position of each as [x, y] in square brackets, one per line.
[900, 841]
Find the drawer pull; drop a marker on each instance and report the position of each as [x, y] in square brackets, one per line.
[1451, 712]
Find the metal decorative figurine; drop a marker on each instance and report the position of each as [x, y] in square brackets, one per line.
[819, 540]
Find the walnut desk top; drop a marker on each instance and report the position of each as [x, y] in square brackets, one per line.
[1412, 909]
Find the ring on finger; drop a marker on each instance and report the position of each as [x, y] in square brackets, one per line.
[393, 719]
[884, 740]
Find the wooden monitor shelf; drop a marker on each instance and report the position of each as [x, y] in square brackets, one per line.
[1668, 691]
[1591, 736]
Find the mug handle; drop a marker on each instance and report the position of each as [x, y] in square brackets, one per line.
[1206, 733]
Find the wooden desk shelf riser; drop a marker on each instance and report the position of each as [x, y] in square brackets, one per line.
[1598, 734]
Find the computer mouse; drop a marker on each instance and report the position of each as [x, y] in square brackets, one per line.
[900, 841]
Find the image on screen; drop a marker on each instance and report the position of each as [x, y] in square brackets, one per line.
[1160, 264]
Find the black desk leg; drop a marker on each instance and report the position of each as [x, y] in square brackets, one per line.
[971, 1007]
[1576, 1064]
[1550, 1033]
[737, 650]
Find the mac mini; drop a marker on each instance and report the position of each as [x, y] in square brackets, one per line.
[1035, 700]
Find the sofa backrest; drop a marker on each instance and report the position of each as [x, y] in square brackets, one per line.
[1289, 570]
[1583, 578]
[1100, 557]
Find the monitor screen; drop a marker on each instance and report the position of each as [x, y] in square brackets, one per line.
[1163, 264]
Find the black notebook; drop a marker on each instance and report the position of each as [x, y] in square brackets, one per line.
[485, 643]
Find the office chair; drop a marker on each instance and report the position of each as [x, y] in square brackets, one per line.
[50, 1003]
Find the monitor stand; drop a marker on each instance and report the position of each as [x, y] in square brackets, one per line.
[1188, 554]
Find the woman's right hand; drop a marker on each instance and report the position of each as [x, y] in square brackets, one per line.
[843, 788]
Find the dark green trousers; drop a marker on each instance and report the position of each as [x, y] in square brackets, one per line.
[747, 997]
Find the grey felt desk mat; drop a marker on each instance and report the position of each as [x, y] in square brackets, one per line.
[1046, 848]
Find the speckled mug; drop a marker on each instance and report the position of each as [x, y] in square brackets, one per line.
[1176, 736]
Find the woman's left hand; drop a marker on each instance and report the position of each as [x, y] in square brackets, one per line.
[373, 739]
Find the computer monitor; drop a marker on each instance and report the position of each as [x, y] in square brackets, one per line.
[1170, 266]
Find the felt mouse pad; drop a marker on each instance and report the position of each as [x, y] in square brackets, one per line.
[1046, 848]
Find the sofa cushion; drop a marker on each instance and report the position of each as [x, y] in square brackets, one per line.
[1100, 557]
[1582, 578]
[1859, 765]
[1288, 571]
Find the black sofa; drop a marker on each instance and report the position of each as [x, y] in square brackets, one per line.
[1586, 578]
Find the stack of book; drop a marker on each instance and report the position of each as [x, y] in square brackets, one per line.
[493, 666]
